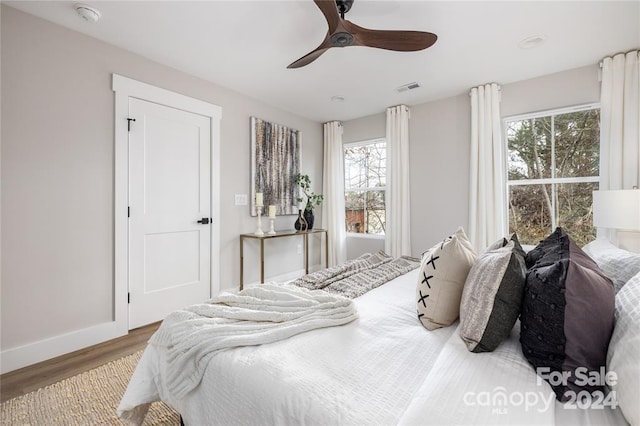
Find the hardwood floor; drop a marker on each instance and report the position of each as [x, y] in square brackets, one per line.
[33, 377]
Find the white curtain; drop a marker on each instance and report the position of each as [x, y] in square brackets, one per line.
[398, 206]
[487, 203]
[333, 215]
[620, 121]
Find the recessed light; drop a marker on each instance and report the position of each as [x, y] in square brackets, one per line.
[86, 12]
[532, 41]
[337, 98]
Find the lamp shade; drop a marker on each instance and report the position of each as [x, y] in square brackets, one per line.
[617, 209]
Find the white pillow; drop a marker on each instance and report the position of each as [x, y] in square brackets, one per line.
[616, 263]
[623, 356]
[443, 271]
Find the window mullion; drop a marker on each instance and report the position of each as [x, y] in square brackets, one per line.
[554, 222]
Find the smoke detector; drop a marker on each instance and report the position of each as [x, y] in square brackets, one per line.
[88, 13]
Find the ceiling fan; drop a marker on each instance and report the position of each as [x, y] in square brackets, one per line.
[343, 33]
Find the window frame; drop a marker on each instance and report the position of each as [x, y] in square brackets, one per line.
[365, 189]
[553, 180]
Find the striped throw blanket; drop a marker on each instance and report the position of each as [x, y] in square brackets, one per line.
[356, 277]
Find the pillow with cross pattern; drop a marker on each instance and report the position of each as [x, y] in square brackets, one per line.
[443, 271]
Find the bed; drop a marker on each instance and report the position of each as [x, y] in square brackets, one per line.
[381, 368]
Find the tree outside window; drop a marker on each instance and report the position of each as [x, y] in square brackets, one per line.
[365, 176]
[553, 169]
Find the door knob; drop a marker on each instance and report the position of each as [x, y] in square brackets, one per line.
[204, 221]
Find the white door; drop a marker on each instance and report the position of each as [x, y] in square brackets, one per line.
[169, 193]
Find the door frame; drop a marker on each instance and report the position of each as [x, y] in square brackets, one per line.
[125, 88]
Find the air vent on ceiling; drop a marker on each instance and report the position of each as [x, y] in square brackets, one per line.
[409, 86]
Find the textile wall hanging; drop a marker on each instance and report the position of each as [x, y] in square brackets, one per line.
[275, 162]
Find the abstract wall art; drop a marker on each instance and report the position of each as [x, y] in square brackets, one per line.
[275, 162]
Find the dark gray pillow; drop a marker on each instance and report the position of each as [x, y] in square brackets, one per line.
[567, 315]
[492, 295]
[548, 245]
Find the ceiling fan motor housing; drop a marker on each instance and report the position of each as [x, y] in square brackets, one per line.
[342, 39]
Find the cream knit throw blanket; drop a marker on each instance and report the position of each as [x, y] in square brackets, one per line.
[253, 316]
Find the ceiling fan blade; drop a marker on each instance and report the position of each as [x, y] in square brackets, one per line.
[330, 12]
[313, 55]
[403, 41]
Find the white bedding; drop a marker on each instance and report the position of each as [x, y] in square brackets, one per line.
[383, 368]
[254, 316]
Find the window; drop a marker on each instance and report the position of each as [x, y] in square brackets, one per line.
[553, 169]
[365, 179]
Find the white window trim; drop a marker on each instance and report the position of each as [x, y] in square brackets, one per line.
[365, 236]
[365, 142]
[543, 181]
[373, 188]
[548, 112]
[548, 181]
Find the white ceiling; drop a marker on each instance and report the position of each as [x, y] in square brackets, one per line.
[247, 45]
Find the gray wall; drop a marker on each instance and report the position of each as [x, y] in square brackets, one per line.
[562, 89]
[439, 134]
[57, 175]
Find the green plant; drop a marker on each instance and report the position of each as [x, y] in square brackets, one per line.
[313, 199]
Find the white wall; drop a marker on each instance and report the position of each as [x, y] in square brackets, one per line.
[439, 134]
[57, 177]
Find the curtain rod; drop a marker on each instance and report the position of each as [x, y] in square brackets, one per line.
[601, 63]
[486, 84]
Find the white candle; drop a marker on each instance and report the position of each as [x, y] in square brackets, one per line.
[272, 212]
[259, 199]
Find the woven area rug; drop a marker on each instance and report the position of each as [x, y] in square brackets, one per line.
[90, 398]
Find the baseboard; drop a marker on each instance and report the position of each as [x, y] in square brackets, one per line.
[42, 350]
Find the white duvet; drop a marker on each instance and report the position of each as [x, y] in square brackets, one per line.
[254, 316]
[384, 368]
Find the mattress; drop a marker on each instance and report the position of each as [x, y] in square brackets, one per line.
[383, 368]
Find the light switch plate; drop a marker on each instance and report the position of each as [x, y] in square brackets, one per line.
[241, 199]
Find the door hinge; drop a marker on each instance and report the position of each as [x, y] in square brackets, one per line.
[128, 211]
[129, 120]
[128, 297]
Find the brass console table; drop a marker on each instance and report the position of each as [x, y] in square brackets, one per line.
[281, 234]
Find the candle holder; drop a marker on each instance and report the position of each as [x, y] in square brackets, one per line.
[259, 232]
[272, 231]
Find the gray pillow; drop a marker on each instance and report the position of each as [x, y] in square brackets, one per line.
[492, 295]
